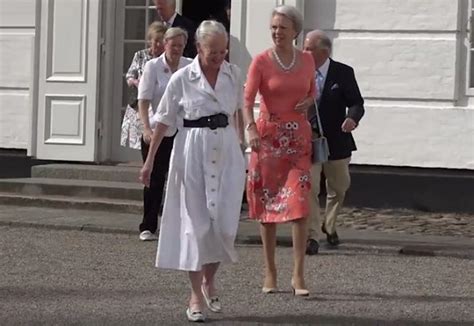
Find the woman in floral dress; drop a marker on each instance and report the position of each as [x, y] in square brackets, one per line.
[278, 182]
[131, 126]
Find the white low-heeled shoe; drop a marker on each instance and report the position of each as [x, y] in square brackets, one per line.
[212, 302]
[195, 316]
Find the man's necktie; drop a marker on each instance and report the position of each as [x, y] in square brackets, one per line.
[319, 85]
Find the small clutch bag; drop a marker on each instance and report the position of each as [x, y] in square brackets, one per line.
[319, 143]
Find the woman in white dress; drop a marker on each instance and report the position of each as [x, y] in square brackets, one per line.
[207, 169]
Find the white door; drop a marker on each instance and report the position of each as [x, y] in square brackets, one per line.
[132, 20]
[68, 80]
[250, 28]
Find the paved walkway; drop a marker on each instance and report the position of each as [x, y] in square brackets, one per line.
[370, 230]
[51, 277]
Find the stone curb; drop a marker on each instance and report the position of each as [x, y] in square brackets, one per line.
[366, 247]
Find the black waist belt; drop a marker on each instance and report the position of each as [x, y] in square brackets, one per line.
[215, 121]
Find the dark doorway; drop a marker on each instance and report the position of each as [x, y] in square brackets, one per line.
[201, 10]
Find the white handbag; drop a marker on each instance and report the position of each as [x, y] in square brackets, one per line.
[319, 143]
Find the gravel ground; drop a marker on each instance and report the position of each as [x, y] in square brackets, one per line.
[407, 221]
[79, 278]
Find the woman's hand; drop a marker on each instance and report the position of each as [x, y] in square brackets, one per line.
[133, 82]
[303, 105]
[147, 135]
[254, 138]
[145, 173]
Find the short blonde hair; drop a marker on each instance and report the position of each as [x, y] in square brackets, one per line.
[210, 28]
[155, 29]
[292, 14]
[174, 32]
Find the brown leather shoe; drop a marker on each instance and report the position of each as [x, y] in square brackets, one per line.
[332, 239]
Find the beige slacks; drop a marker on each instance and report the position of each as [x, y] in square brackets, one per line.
[338, 181]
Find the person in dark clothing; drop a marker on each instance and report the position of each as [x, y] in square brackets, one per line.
[166, 11]
[201, 10]
[341, 107]
[156, 74]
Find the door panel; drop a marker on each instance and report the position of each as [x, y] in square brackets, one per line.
[249, 28]
[68, 80]
[132, 19]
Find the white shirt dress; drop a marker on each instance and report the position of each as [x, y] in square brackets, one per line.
[207, 171]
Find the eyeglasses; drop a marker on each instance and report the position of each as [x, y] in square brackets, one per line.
[214, 53]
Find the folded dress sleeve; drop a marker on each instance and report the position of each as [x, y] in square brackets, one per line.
[147, 82]
[169, 107]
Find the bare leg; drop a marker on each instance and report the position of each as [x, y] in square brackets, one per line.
[197, 299]
[268, 234]
[208, 280]
[300, 230]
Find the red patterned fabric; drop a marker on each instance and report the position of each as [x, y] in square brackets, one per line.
[278, 182]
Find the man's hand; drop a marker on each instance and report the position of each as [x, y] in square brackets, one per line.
[147, 135]
[348, 125]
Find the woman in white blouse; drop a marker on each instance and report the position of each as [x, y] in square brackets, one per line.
[207, 168]
[156, 76]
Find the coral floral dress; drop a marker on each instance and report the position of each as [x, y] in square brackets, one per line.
[278, 182]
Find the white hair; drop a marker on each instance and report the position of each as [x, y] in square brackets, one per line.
[321, 39]
[292, 14]
[170, 2]
[209, 28]
[174, 32]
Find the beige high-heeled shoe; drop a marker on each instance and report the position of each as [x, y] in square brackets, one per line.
[269, 290]
[299, 292]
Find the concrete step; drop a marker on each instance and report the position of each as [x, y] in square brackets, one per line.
[73, 188]
[117, 173]
[92, 204]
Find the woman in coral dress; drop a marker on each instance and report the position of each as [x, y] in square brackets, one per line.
[278, 182]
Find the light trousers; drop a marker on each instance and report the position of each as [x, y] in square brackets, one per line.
[338, 181]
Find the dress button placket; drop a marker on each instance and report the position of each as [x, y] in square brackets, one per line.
[212, 182]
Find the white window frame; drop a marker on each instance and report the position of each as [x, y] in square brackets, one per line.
[469, 41]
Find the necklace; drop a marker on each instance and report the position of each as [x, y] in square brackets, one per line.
[285, 68]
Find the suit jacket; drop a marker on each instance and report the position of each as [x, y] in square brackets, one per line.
[340, 99]
[188, 25]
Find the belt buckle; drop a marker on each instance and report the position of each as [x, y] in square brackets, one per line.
[213, 123]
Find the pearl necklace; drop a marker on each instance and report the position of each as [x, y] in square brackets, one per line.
[285, 68]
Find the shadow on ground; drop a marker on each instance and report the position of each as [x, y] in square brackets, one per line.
[331, 320]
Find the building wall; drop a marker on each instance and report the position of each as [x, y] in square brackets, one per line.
[17, 37]
[411, 70]
[410, 62]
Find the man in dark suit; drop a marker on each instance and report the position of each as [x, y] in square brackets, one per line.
[166, 10]
[341, 107]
